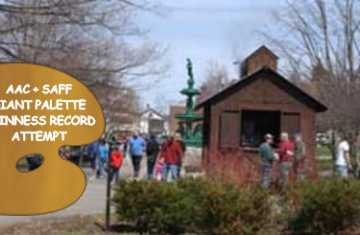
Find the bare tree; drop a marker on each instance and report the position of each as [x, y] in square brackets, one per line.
[119, 105]
[89, 39]
[316, 32]
[320, 41]
[216, 78]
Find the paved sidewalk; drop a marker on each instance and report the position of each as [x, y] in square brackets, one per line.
[91, 202]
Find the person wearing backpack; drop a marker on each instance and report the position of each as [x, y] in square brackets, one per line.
[152, 151]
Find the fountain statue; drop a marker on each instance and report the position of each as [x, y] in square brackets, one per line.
[190, 122]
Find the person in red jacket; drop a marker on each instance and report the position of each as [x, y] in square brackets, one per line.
[286, 153]
[172, 153]
[116, 161]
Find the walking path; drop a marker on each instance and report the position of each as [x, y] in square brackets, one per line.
[91, 202]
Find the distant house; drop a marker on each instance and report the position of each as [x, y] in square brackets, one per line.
[124, 124]
[152, 122]
[238, 117]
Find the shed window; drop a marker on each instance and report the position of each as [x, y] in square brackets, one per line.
[230, 129]
[256, 124]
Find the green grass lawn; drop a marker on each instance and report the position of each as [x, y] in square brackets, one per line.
[323, 151]
[323, 157]
[324, 164]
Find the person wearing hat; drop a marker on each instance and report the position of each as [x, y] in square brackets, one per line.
[267, 157]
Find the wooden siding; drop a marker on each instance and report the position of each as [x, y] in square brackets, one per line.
[260, 95]
[260, 60]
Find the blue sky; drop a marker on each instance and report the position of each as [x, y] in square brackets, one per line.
[204, 30]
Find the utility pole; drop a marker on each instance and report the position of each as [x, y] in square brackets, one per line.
[108, 201]
[108, 192]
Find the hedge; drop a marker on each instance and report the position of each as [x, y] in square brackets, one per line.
[192, 206]
[199, 206]
[325, 207]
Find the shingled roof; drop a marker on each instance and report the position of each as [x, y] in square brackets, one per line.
[275, 78]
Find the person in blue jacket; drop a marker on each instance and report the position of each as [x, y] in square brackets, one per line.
[137, 150]
[103, 154]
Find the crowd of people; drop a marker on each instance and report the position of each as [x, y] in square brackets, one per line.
[163, 158]
[290, 156]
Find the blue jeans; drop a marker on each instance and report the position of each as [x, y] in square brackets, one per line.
[342, 171]
[100, 167]
[172, 169]
[266, 170]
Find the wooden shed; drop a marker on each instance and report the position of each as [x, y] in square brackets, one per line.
[237, 118]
